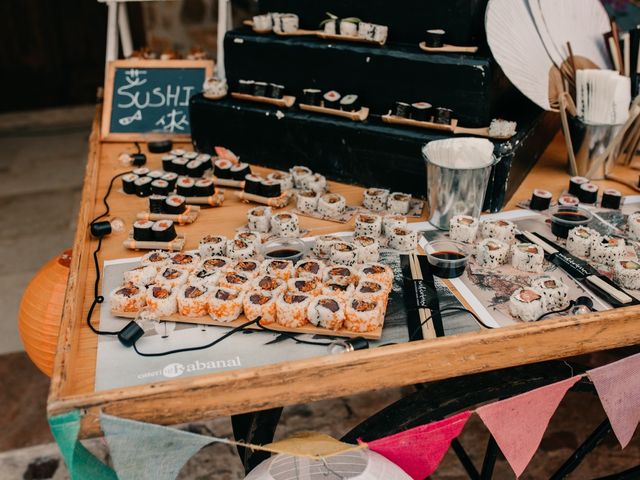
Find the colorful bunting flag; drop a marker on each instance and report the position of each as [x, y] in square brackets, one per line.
[419, 451]
[618, 386]
[518, 423]
[142, 451]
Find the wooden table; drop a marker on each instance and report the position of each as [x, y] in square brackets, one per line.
[253, 389]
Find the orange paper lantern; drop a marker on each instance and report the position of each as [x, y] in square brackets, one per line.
[41, 311]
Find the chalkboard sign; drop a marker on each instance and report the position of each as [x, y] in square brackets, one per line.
[145, 96]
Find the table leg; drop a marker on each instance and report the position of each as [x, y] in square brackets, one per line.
[258, 428]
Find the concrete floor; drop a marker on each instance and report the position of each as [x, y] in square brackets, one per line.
[41, 170]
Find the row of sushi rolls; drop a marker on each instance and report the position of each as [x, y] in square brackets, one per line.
[341, 286]
[498, 245]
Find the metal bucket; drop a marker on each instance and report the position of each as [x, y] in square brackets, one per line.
[589, 143]
[455, 191]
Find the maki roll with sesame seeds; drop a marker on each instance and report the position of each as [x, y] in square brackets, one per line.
[213, 245]
[375, 199]
[503, 230]
[492, 253]
[326, 312]
[580, 240]
[343, 253]
[392, 220]
[259, 219]
[527, 257]
[285, 225]
[402, 239]
[143, 230]
[526, 304]
[607, 250]
[463, 228]
[252, 238]
[627, 273]
[555, 294]
[175, 204]
[307, 201]
[331, 204]
[368, 225]
[317, 183]
[399, 203]
[300, 175]
[322, 245]
[164, 231]
[368, 248]
[129, 183]
[238, 248]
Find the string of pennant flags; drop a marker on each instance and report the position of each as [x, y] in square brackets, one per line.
[142, 450]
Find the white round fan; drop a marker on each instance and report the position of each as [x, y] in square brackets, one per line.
[354, 465]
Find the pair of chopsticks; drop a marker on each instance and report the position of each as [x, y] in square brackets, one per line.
[426, 322]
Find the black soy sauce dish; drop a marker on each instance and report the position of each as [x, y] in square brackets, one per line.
[564, 218]
[448, 259]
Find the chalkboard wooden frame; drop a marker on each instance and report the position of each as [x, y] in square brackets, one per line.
[106, 134]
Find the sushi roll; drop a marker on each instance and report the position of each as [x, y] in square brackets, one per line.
[178, 152]
[212, 245]
[368, 225]
[246, 86]
[180, 165]
[322, 245]
[540, 200]
[225, 304]
[157, 258]
[331, 205]
[259, 219]
[633, 225]
[253, 184]
[160, 187]
[236, 280]
[283, 178]
[192, 300]
[341, 274]
[308, 268]
[240, 249]
[588, 193]
[331, 99]
[240, 170]
[434, 38]
[567, 200]
[252, 238]
[363, 316]
[443, 116]
[350, 103]
[342, 292]
[191, 155]
[312, 96]
[141, 275]
[325, 311]
[167, 164]
[186, 261]
[129, 183]
[343, 253]
[143, 230]
[608, 250]
[372, 291]
[627, 273]
[399, 203]
[276, 91]
[285, 22]
[127, 298]
[526, 304]
[575, 183]
[257, 303]
[260, 89]
[205, 160]
[141, 171]
[377, 272]
[580, 240]
[307, 201]
[204, 187]
[270, 188]
[503, 230]
[291, 309]
[421, 111]
[285, 225]
[375, 199]
[368, 248]
[307, 285]
[317, 183]
[611, 198]
[402, 109]
[194, 169]
[392, 220]
[402, 239]
[300, 175]
[270, 284]
[161, 300]
[373, 32]
[463, 228]
[156, 203]
[164, 231]
[250, 268]
[555, 294]
[527, 257]
[185, 187]
[175, 204]
[492, 253]
[155, 174]
[216, 263]
[143, 186]
[222, 168]
[282, 269]
[204, 277]
[171, 178]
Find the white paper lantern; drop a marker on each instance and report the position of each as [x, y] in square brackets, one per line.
[354, 465]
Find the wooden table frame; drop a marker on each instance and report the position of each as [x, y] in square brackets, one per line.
[259, 388]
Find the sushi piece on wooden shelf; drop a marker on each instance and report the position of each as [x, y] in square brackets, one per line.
[184, 186]
[269, 188]
[143, 230]
[214, 88]
[375, 199]
[373, 32]
[238, 248]
[307, 201]
[526, 304]
[284, 23]
[399, 202]
[421, 111]
[204, 187]
[285, 225]
[331, 204]
[222, 169]
[301, 176]
[253, 184]
[368, 225]
[163, 231]
[259, 219]
[350, 103]
[312, 96]
[435, 41]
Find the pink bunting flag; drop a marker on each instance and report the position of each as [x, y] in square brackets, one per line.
[518, 423]
[618, 386]
[419, 451]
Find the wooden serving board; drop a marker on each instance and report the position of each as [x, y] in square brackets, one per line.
[275, 202]
[227, 182]
[285, 102]
[189, 216]
[175, 245]
[359, 116]
[347, 38]
[214, 200]
[446, 48]
[420, 124]
[308, 329]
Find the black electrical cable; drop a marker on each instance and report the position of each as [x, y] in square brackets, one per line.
[449, 310]
[562, 310]
[294, 337]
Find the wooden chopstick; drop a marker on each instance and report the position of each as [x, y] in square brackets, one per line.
[426, 322]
